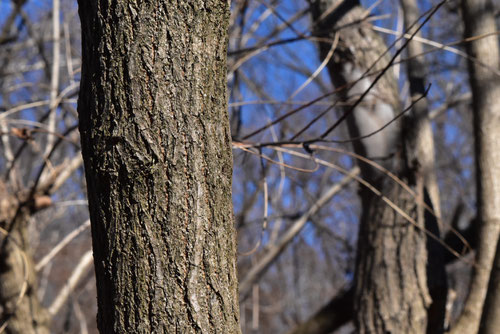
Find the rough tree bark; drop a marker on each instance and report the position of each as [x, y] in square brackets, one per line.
[478, 16]
[391, 293]
[156, 147]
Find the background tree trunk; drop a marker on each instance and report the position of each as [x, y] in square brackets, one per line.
[478, 16]
[391, 280]
[22, 312]
[156, 147]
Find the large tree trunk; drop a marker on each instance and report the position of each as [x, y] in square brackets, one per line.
[156, 147]
[391, 293]
[479, 20]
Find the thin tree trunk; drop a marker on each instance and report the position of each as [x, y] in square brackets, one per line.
[478, 16]
[422, 144]
[417, 73]
[156, 147]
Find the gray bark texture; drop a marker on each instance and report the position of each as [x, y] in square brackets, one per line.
[391, 293]
[478, 16]
[156, 146]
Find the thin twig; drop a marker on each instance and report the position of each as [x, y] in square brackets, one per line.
[67, 289]
[54, 80]
[265, 261]
[66, 240]
[385, 199]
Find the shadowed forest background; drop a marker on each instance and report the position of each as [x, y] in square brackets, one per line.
[298, 194]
